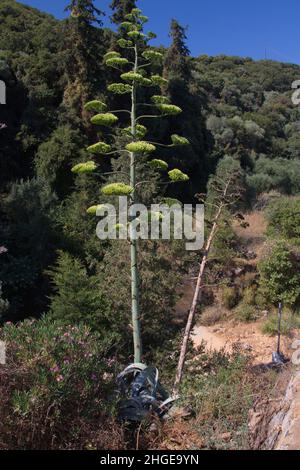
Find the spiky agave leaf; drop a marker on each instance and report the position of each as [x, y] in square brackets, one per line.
[119, 88]
[140, 147]
[95, 105]
[117, 189]
[87, 167]
[99, 147]
[157, 164]
[177, 175]
[107, 119]
[178, 140]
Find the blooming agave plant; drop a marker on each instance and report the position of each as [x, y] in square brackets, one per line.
[132, 81]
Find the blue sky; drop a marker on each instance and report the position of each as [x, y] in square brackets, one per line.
[253, 28]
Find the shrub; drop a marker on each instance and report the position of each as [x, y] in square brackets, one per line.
[229, 297]
[289, 322]
[54, 388]
[220, 390]
[280, 274]
[246, 313]
[284, 218]
[77, 297]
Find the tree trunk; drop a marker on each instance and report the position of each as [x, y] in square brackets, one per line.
[196, 299]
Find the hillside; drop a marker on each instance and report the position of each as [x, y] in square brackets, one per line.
[74, 306]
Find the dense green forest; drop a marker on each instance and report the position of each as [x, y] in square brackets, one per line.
[52, 265]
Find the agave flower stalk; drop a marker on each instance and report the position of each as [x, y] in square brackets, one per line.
[137, 146]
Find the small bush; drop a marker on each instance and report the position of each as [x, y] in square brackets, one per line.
[280, 274]
[211, 316]
[289, 323]
[229, 297]
[246, 313]
[221, 389]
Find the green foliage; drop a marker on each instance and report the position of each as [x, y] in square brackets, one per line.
[62, 369]
[284, 219]
[289, 322]
[280, 274]
[220, 390]
[230, 297]
[88, 305]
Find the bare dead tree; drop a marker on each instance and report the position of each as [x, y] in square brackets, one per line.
[226, 190]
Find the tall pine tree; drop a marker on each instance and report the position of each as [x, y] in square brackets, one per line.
[182, 90]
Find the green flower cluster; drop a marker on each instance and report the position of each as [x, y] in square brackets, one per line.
[178, 140]
[158, 80]
[93, 210]
[158, 99]
[117, 189]
[124, 43]
[87, 167]
[158, 164]
[116, 62]
[100, 147]
[135, 35]
[111, 55]
[169, 109]
[119, 88]
[141, 131]
[140, 147]
[107, 119]
[151, 54]
[177, 176]
[136, 77]
[95, 105]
